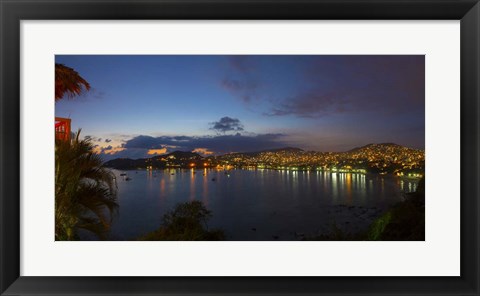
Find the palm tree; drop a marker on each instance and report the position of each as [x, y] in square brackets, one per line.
[85, 191]
[68, 82]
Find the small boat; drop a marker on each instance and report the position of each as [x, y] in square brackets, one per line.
[128, 179]
[123, 174]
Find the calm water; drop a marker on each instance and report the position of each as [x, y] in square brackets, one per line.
[277, 204]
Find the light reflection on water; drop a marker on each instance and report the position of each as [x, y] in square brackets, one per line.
[275, 203]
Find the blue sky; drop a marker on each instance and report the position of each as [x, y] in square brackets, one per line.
[139, 106]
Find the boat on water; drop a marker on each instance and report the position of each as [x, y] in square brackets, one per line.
[128, 179]
[123, 174]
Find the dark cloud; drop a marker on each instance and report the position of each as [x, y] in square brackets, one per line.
[222, 143]
[92, 138]
[241, 80]
[310, 105]
[148, 142]
[127, 153]
[227, 124]
[244, 89]
[241, 63]
[107, 149]
[218, 144]
[110, 152]
[326, 85]
[383, 84]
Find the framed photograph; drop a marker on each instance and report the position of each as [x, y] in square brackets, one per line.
[239, 148]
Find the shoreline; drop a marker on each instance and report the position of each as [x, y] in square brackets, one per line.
[402, 177]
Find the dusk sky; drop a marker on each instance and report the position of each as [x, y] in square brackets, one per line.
[139, 106]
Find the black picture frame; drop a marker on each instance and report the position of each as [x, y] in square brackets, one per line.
[13, 11]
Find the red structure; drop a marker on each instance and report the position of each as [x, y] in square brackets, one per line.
[62, 128]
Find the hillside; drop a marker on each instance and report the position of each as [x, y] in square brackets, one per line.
[375, 158]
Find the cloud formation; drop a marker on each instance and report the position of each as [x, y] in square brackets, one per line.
[311, 105]
[241, 63]
[157, 151]
[109, 150]
[243, 88]
[241, 80]
[145, 146]
[327, 85]
[92, 138]
[227, 124]
[383, 84]
[203, 151]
